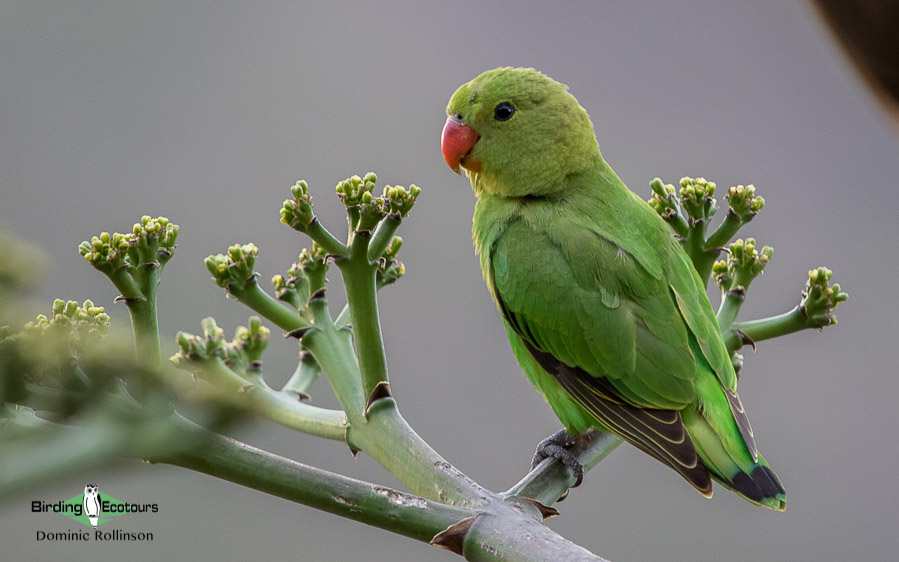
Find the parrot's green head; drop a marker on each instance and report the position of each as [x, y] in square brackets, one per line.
[517, 132]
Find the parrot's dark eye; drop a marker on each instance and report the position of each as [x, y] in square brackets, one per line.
[503, 111]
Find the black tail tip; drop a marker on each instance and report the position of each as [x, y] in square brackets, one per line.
[761, 486]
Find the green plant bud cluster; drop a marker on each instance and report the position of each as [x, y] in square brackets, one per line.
[156, 234]
[251, 339]
[389, 268]
[297, 212]
[151, 241]
[663, 199]
[51, 350]
[743, 202]
[355, 191]
[697, 197]
[819, 300]
[238, 266]
[314, 260]
[242, 354]
[744, 263]
[82, 321]
[398, 201]
[107, 251]
[304, 277]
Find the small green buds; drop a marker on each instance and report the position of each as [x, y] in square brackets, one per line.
[311, 260]
[743, 202]
[368, 210]
[314, 266]
[667, 205]
[252, 339]
[697, 198]
[819, 300]
[242, 354]
[83, 321]
[107, 252]
[389, 268]
[744, 263]
[355, 191]
[297, 212]
[134, 261]
[398, 201]
[151, 242]
[155, 235]
[55, 349]
[235, 268]
[663, 200]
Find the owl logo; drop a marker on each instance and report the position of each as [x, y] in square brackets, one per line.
[92, 503]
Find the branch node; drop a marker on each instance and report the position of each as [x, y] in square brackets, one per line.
[738, 291]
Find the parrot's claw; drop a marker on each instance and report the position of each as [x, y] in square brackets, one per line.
[556, 446]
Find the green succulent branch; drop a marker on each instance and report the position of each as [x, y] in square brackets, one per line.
[233, 373]
[134, 263]
[96, 401]
[297, 213]
[743, 206]
[733, 276]
[814, 311]
[688, 212]
[304, 376]
[361, 266]
[235, 273]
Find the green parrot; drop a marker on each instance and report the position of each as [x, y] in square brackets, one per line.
[605, 312]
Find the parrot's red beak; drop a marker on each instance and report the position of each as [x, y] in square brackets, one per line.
[457, 141]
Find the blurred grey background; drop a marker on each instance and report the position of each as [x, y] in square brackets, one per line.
[206, 112]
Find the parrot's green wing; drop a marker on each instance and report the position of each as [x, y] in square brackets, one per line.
[615, 334]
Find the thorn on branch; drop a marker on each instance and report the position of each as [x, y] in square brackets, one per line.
[546, 512]
[381, 390]
[301, 396]
[353, 449]
[746, 339]
[299, 332]
[453, 537]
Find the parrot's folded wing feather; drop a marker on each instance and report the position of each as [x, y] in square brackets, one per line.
[659, 433]
[608, 332]
[591, 306]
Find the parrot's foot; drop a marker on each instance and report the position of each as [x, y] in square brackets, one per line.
[556, 446]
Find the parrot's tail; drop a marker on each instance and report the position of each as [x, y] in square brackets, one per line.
[759, 485]
[720, 442]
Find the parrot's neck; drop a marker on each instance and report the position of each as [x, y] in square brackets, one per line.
[551, 180]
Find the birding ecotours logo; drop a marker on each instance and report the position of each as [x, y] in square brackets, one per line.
[92, 508]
